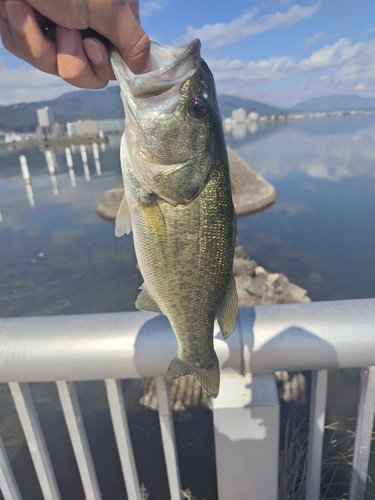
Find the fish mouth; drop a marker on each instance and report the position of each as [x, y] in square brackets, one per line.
[170, 66]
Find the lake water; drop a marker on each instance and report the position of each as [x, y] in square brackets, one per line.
[58, 257]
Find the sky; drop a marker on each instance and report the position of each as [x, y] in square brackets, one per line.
[279, 52]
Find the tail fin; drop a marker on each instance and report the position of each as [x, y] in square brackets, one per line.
[209, 378]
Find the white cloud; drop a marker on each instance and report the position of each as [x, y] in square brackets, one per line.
[253, 72]
[27, 85]
[148, 8]
[314, 39]
[325, 57]
[340, 68]
[215, 36]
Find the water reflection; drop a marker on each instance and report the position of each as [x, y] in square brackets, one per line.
[240, 130]
[347, 151]
[30, 195]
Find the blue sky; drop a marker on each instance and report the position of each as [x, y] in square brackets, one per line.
[276, 51]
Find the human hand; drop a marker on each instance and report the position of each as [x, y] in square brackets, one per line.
[48, 35]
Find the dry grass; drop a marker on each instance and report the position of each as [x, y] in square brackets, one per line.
[336, 460]
[186, 495]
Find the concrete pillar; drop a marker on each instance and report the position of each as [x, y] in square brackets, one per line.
[246, 423]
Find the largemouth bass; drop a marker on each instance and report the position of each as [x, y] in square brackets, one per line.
[178, 203]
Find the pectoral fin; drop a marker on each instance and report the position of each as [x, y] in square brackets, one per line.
[152, 214]
[179, 184]
[145, 301]
[123, 219]
[226, 314]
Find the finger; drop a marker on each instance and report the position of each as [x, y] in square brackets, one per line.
[6, 35]
[72, 63]
[98, 56]
[121, 26]
[24, 38]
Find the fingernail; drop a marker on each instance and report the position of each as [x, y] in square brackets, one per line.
[17, 15]
[67, 41]
[93, 51]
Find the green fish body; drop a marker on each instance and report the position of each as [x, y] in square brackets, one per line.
[178, 203]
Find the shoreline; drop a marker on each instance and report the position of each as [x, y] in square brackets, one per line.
[56, 141]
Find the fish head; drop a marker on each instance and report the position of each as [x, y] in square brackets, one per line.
[172, 121]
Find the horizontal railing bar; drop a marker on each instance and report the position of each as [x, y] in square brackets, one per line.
[318, 335]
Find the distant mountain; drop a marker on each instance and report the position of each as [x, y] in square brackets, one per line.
[79, 105]
[100, 105]
[228, 103]
[336, 103]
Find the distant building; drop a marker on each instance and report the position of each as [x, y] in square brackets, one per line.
[82, 127]
[95, 127]
[46, 121]
[14, 137]
[58, 130]
[239, 115]
[253, 116]
[111, 126]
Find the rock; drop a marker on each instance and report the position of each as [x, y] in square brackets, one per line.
[291, 387]
[260, 270]
[256, 286]
[240, 253]
[251, 192]
[263, 288]
[108, 205]
[244, 266]
[245, 299]
[296, 292]
[149, 400]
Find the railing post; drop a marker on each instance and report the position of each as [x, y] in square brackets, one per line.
[35, 439]
[316, 432]
[168, 437]
[246, 425]
[8, 485]
[77, 432]
[363, 434]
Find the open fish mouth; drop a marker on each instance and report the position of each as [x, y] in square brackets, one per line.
[170, 66]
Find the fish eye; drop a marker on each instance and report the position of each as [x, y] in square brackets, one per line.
[198, 108]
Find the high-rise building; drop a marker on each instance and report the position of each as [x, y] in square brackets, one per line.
[45, 117]
[46, 120]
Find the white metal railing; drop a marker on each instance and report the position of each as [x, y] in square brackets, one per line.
[115, 346]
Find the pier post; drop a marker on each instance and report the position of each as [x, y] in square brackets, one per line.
[50, 162]
[25, 169]
[84, 161]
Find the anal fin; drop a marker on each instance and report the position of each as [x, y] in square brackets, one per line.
[145, 301]
[226, 313]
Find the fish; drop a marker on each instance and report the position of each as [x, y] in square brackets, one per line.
[178, 202]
